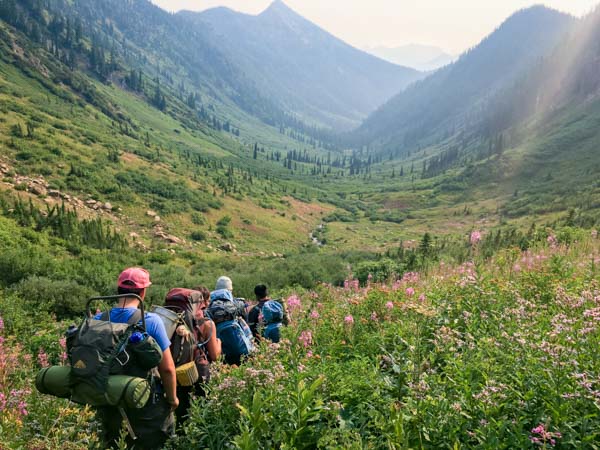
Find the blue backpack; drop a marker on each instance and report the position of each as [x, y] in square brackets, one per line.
[233, 331]
[272, 312]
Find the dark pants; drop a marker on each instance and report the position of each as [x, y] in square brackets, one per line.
[153, 424]
[184, 394]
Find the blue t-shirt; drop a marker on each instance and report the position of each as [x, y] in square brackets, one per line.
[154, 325]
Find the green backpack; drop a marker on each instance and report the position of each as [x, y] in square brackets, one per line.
[107, 368]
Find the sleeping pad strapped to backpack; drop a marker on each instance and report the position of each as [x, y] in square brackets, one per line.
[227, 313]
[108, 367]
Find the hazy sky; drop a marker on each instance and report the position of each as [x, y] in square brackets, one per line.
[453, 25]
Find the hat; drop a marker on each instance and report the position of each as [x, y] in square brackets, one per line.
[224, 283]
[134, 277]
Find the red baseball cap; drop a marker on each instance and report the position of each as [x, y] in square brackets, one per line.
[134, 277]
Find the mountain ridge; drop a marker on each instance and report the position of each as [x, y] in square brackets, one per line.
[315, 73]
[456, 89]
[425, 58]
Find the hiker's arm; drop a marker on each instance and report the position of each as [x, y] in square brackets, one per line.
[213, 346]
[286, 319]
[166, 368]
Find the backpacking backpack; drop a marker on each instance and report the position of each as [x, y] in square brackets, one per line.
[272, 318]
[272, 312]
[183, 340]
[232, 329]
[101, 349]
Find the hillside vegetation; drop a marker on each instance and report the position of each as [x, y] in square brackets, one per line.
[440, 263]
[489, 353]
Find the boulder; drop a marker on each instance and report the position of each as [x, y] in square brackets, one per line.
[37, 189]
[227, 247]
[107, 206]
[151, 213]
[168, 237]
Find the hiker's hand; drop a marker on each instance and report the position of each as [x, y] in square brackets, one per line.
[174, 404]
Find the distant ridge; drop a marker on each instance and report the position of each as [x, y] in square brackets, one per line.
[417, 56]
[451, 98]
[302, 67]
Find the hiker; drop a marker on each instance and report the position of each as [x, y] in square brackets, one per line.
[225, 282]
[229, 315]
[194, 341]
[154, 423]
[267, 316]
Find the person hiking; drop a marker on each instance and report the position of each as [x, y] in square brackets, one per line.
[267, 316]
[154, 423]
[207, 346]
[207, 332]
[229, 315]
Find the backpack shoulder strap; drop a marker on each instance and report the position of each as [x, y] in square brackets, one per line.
[135, 317]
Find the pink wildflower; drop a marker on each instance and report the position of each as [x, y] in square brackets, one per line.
[540, 436]
[410, 277]
[349, 319]
[305, 338]
[43, 358]
[314, 314]
[389, 305]
[422, 298]
[1, 323]
[410, 292]
[293, 303]
[374, 316]
[552, 241]
[475, 237]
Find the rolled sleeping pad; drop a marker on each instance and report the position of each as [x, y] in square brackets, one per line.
[54, 380]
[122, 390]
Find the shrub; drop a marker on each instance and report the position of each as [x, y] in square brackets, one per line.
[64, 299]
[198, 235]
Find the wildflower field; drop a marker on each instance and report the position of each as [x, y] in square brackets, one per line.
[501, 352]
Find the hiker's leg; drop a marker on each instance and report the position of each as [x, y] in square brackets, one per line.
[111, 423]
[153, 425]
[183, 394]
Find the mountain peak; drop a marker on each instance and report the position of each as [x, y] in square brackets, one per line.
[278, 7]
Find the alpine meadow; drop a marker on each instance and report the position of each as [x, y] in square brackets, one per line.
[428, 238]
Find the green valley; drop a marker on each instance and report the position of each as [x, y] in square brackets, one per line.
[433, 232]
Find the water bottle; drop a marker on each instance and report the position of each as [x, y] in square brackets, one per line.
[136, 337]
